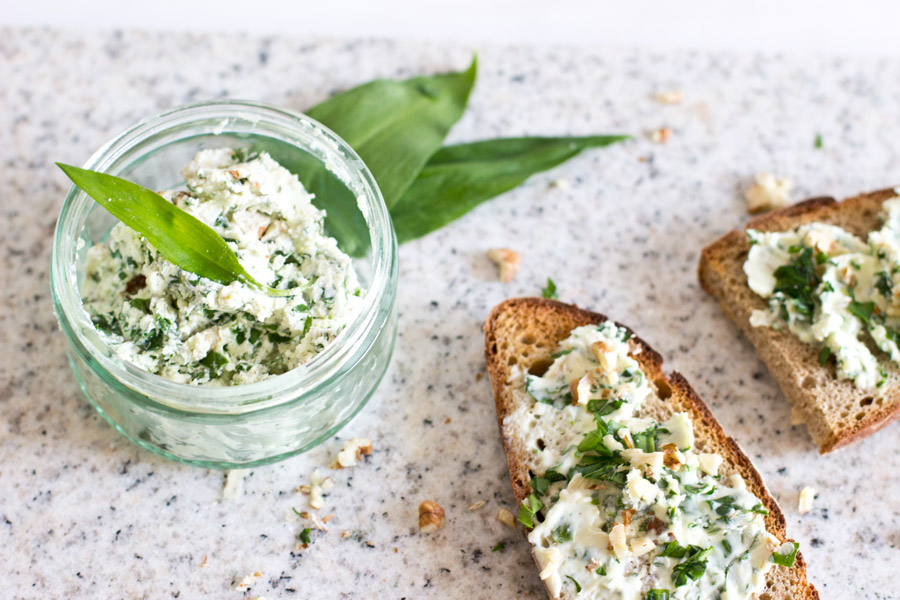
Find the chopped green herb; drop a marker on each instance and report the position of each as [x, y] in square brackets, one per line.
[818, 143]
[550, 290]
[824, 355]
[530, 506]
[304, 536]
[658, 595]
[561, 534]
[786, 555]
[577, 585]
[499, 547]
[692, 567]
[863, 310]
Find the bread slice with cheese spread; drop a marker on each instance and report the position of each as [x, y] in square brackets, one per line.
[836, 411]
[522, 341]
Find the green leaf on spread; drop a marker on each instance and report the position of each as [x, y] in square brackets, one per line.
[396, 126]
[458, 178]
[824, 354]
[530, 506]
[577, 585]
[863, 310]
[692, 567]
[181, 238]
[658, 595]
[798, 280]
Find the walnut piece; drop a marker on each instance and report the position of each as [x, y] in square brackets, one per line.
[507, 518]
[431, 516]
[353, 451]
[507, 260]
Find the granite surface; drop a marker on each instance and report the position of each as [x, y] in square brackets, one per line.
[84, 514]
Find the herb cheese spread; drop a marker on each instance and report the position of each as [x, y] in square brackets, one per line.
[831, 289]
[624, 507]
[189, 329]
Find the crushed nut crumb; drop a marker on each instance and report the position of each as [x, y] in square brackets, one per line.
[768, 193]
[668, 97]
[353, 451]
[318, 485]
[506, 517]
[431, 516]
[248, 580]
[476, 505]
[234, 482]
[804, 504]
[507, 260]
[661, 135]
[345, 534]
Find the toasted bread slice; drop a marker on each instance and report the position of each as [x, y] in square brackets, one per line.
[524, 332]
[835, 410]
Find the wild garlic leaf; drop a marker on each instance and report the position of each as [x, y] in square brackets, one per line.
[459, 178]
[181, 238]
[396, 126]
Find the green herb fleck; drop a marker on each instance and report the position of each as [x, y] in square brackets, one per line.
[550, 290]
[786, 555]
[577, 585]
[304, 536]
[818, 143]
[658, 595]
[824, 355]
[499, 547]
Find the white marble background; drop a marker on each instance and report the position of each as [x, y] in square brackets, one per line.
[83, 514]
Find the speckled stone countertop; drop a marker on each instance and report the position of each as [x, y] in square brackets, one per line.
[84, 514]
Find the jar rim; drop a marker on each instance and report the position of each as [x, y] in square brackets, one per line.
[291, 386]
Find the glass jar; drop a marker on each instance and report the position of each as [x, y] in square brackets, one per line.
[243, 425]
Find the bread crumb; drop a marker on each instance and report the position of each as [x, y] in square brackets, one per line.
[353, 451]
[431, 516]
[768, 193]
[804, 504]
[479, 376]
[234, 482]
[345, 534]
[507, 260]
[661, 135]
[506, 517]
[205, 561]
[668, 97]
[476, 505]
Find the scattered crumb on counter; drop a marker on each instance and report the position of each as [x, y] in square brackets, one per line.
[205, 561]
[476, 505]
[479, 376]
[805, 502]
[506, 517]
[661, 135]
[507, 260]
[431, 516]
[562, 184]
[768, 193]
[317, 485]
[247, 581]
[234, 482]
[668, 97]
[353, 451]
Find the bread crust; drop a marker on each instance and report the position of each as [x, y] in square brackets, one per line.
[835, 411]
[525, 332]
